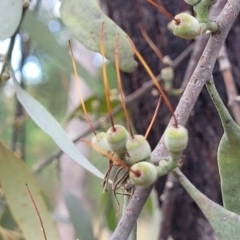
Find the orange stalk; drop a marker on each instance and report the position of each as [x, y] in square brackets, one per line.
[36, 208]
[121, 89]
[105, 80]
[163, 10]
[152, 76]
[111, 157]
[154, 117]
[151, 43]
[80, 90]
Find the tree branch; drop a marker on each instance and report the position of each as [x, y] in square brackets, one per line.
[201, 74]
[170, 193]
[225, 68]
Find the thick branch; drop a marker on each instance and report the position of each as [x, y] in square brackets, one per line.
[201, 74]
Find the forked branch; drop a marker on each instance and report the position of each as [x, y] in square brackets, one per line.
[201, 74]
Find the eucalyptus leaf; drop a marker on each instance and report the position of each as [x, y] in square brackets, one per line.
[49, 125]
[228, 154]
[226, 224]
[79, 217]
[13, 176]
[10, 16]
[85, 18]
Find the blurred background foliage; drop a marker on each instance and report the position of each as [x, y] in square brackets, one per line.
[41, 61]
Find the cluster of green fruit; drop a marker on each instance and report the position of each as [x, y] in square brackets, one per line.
[135, 151]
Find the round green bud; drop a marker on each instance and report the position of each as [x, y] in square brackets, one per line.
[138, 149]
[185, 26]
[176, 138]
[167, 74]
[117, 138]
[100, 142]
[143, 174]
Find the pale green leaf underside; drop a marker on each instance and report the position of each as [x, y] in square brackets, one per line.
[228, 154]
[226, 224]
[10, 16]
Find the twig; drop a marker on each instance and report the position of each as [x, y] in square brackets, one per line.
[200, 44]
[130, 99]
[19, 135]
[170, 193]
[38, 213]
[201, 74]
[167, 198]
[225, 68]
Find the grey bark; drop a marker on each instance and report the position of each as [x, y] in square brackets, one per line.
[186, 221]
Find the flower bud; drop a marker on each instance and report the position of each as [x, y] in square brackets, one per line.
[99, 140]
[176, 138]
[117, 138]
[185, 26]
[138, 149]
[143, 174]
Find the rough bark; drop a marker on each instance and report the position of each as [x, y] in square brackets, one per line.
[200, 166]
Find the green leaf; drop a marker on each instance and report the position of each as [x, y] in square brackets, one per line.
[49, 125]
[108, 215]
[10, 16]
[225, 223]
[39, 33]
[228, 154]
[84, 19]
[13, 176]
[80, 217]
[93, 105]
[7, 220]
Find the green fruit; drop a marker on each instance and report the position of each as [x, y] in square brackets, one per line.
[176, 138]
[185, 26]
[138, 149]
[143, 174]
[116, 138]
[100, 142]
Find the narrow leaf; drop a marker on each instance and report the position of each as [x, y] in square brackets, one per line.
[49, 125]
[226, 224]
[80, 217]
[10, 16]
[228, 154]
[13, 177]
